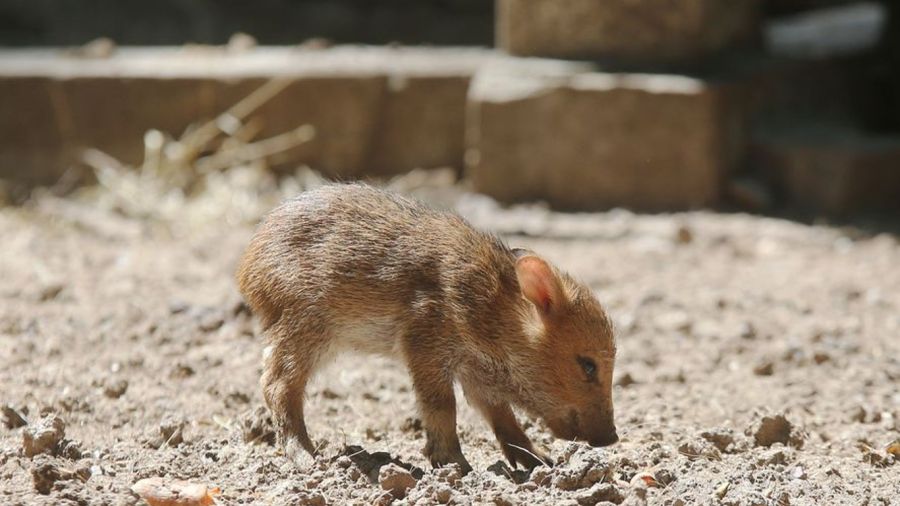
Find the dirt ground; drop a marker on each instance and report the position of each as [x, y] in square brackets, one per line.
[759, 363]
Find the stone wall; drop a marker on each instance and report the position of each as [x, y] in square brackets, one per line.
[710, 109]
[583, 139]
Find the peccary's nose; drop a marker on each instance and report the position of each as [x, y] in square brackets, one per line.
[606, 439]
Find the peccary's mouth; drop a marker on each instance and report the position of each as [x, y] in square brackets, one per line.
[570, 427]
[573, 422]
[565, 427]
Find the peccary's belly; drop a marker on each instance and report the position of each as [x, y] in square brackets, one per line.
[373, 334]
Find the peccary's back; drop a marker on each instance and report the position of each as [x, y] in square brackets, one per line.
[352, 249]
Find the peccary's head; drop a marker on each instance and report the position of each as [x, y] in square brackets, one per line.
[573, 351]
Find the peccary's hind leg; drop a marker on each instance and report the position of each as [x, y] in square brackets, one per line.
[289, 364]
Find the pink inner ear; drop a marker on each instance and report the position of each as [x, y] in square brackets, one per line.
[537, 281]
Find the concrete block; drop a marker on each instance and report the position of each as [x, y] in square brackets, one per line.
[582, 139]
[629, 31]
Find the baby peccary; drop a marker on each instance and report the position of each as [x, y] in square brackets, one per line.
[349, 267]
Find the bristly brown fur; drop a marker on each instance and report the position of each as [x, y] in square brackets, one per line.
[351, 267]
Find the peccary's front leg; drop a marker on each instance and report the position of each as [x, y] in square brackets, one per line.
[437, 406]
[515, 445]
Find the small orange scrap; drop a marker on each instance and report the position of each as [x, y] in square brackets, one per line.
[646, 477]
[161, 492]
[894, 448]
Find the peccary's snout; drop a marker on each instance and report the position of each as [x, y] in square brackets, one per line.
[603, 432]
[608, 438]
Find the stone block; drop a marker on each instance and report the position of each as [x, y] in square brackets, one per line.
[628, 31]
[581, 139]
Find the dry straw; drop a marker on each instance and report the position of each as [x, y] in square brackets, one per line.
[214, 171]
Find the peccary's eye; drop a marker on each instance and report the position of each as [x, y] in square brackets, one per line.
[589, 367]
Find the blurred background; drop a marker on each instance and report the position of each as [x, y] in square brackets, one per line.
[771, 106]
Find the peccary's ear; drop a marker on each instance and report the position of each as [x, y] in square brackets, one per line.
[538, 283]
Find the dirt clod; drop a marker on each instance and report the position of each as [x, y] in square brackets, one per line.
[396, 480]
[502, 500]
[684, 234]
[450, 474]
[774, 457]
[45, 473]
[764, 368]
[44, 436]
[625, 380]
[874, 457]
[664, 476]
[234, 399]
[50, 291]
[69, 449]
[722, 439]
[177, 306]
[12, 419]
[771, 430]
[747, 331]
[170, 433]
[542, 476]
[584, 468]
[443, 494]
[257, 426]
[411, 424]
[181, 371]
[308, 499]
[210, 321]
[600, 492]
[699, 449]
[501, 468]
[820, 357]
[370, 464]
[115, 389]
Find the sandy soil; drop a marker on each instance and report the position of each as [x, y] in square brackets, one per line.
[759, 363]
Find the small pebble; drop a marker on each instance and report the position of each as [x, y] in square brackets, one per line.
[625, 380]
[764, 368]
[115, 389]
[771, 430]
